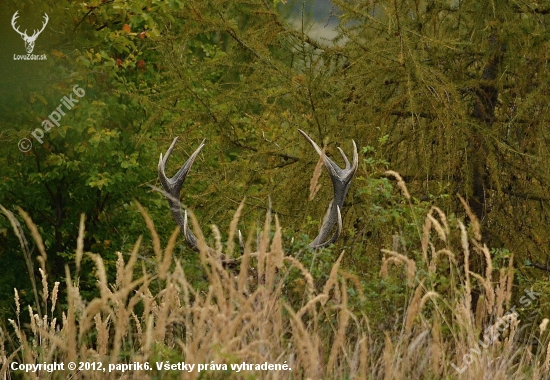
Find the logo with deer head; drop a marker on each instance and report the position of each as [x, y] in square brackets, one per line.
[29, 40]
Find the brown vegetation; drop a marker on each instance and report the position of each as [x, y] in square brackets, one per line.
[255, 314]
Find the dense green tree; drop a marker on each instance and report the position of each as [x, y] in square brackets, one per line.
[98, 158]
[460, 89]
[451, 94]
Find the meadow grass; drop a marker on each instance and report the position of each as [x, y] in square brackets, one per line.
[153, 314]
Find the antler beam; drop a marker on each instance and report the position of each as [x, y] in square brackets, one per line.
[341, 181]
[172, 187]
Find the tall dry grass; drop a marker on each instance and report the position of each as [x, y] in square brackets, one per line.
[246, 314]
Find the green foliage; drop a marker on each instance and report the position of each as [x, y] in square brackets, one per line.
[98, 159]
[451, 95]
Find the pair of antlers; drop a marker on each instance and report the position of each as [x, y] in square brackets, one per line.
[341, 181]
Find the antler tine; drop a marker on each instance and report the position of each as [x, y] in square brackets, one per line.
[344, 157]
[172, 186]
[341, 181]
[16, 28]
[36, 31]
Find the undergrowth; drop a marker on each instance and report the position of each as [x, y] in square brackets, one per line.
[267, 307]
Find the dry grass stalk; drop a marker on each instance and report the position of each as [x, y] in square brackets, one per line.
[513, 322]
[388, 359]
[426, 228]
[277, 252]
[339, 339]
[119, 270]
[473, 218]
[217, 240]
[167, 257]
[101, 275]
[17, 304]
[201, 241]
[355, 279]
[411, 265]
[437, 344]
[416, 344]
[440, 232]
[55, 291]
[43, 258]
[311, 304]
[238, 318]
[69, 320]
[85, 323]
[245, 263]
[500, 291]
[510, 276]
[543, 325]
[481, 310]
[363, 357]
[305, 273]
[332, 278]
[18, 230]
[466, 251]
[546, 364]
[275, 258]
[263, 243]
[3, 358]
[45, 292]
[233, 229]
[436, 255]
[414, 307]
[465, 324]
[442, 217]
[425, 298]
[129, 268]
[489, 291]
[314, 185]
[400, 183]
[307, 350]
[102, 328]
[488, 261]
[152, 231]
[385, 264]
[80, 242]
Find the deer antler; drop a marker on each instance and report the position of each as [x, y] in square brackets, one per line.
[341, 181]
[173, 185]
[15, 17]
[37, 32]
